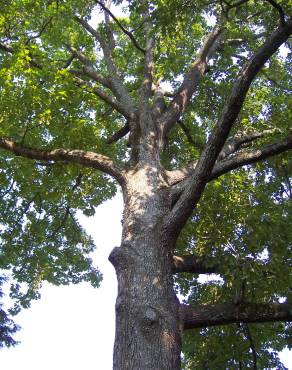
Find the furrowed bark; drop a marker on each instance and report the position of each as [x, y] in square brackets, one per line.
[192, 193]
[148, 322]
[85, 158]
[227, 313]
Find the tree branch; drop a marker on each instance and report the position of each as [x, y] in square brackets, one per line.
[193, 142]
[119, 134]
[252, 346]
[180, 179]
[102, 95]
[85, 158]
[6, 48]
[126, 32]
[9, 49]
[202, 316]
[193, 264]
[116, 84]
[279, 10]
[234, 143]
[190, 82]
[202, 174]
[245, 157]
[88, 68]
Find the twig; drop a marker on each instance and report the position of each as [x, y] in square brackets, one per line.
[42, 30]
[128, 33]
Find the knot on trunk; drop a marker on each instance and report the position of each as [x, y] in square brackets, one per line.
[149, 319]
[120, 257]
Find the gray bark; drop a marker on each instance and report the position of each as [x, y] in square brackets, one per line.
[148, 325]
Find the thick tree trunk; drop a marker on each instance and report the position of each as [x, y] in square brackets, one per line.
[148, 326]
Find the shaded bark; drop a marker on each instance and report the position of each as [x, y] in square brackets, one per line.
[227, 313]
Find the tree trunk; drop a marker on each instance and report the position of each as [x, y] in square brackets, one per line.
[148, 324]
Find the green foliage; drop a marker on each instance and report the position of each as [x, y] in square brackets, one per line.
[241, 221]
[7, 327]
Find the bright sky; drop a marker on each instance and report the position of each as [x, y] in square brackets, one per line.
[72, 327]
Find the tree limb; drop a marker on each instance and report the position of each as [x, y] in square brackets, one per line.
[126, 32]
[116, 84]
[193, 264]
[252, 346]
[180, 179]
[193, 142]
[9, 49]
[102, 95]
[202, 174]
[119, 134]
[202, 316]
[88, 68]
[191, 81]
[6, 48]
[85, 158]
[279, 10]
[234, 143]
[245, 157]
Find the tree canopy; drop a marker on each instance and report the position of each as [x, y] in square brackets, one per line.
[68, 91]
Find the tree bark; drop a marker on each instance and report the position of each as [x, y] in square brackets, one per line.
[148, 323]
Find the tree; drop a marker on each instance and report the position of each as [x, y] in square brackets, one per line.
[7, 326]
[185, 106]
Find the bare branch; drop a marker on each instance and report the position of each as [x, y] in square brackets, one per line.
[193, 264]
[126, 32]
[85, 158]
[202, 316]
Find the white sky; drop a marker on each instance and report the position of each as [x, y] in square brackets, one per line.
[72, 327]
